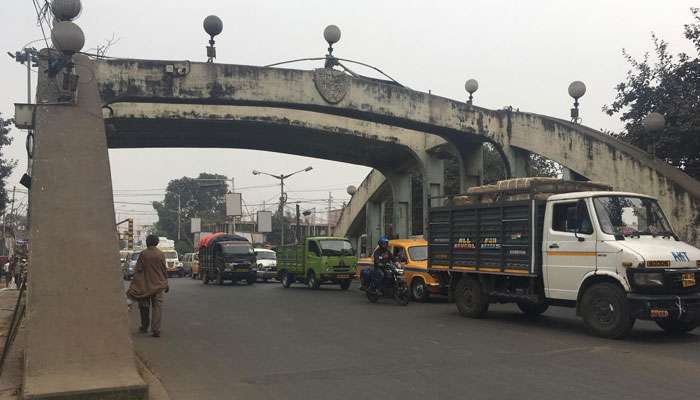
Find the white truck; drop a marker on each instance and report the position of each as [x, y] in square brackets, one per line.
[541, 241]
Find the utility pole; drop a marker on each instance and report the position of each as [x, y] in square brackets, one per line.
[298, 230]
[178, 217]
[328, 222]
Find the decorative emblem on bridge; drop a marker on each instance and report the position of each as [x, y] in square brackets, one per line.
[331, 84]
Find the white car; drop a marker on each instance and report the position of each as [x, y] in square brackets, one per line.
[266, 260]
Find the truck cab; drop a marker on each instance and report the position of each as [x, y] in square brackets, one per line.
[317, 261]
[624, 239]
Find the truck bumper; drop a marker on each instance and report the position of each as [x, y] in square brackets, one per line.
[267, 274]
[338, 277]
[239, 276]
[660, 307]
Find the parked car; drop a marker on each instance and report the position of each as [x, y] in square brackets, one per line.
[129, 267]
[195, 266]
[267, 263]
[187, 259]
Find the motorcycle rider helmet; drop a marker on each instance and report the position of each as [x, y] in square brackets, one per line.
[383, 241]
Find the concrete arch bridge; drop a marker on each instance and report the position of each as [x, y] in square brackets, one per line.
[322, 113]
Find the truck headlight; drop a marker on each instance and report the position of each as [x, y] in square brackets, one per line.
[649, 279]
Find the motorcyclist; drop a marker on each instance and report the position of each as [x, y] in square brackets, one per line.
[381, 257]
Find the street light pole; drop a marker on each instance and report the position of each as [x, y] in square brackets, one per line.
[283, 200]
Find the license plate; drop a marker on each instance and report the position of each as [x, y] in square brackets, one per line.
[688, 279]
[342, 276]
[241, 269]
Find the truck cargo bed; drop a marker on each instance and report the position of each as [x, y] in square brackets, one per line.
[497, 238]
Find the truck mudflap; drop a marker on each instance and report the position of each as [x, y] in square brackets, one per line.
[661, 307]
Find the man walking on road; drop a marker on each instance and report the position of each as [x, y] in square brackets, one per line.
[149, 283]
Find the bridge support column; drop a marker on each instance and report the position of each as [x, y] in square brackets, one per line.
[518, 161]
[401, 202]
[570, 175]
[374, 214]
[78, 340]
[471, 158]
[433, 185]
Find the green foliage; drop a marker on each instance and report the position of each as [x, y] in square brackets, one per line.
[669, 85]
[6, 165]
[200, 197]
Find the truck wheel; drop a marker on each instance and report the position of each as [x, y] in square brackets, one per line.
[286, 279]
[470, 298]
[345, 284]
[311, 281]
[219, 278]
[419, 290]
[205, 278]
[676, 327]
[605, 311]
[532, 309]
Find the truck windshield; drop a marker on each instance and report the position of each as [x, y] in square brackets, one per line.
[631, 216]
[418, 253]
[170, 255]
[265, 255]
[336, 248]
[236, 249]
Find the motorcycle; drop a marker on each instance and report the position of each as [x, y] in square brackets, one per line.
[392, 286]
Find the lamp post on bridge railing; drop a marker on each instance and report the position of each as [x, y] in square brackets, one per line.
[654, 123]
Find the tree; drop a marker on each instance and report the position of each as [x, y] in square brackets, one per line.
[202, 197]
[669, 85]
[6, 165]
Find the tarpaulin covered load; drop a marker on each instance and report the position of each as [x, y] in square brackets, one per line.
[523, 188]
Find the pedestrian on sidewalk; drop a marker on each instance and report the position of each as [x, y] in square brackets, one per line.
[149, 283]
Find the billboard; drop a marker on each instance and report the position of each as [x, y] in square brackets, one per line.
[264, 221]
[195, 225]
[233, 205]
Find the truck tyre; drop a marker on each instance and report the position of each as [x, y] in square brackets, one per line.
[470, 298]
[219, 278]
[606, 312]
[205, 277]
[286, 279]
[532, 309]
[345, 284]
[419, 290]
[676, 327]
[311, 281]
[251, 280]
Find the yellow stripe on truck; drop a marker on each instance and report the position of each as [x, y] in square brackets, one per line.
[572, 253]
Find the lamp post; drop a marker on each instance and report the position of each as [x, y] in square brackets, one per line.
[576, 90]
[283, 196]
[471, 86]
[654, 123]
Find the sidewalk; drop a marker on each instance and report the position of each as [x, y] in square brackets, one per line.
[11, 379]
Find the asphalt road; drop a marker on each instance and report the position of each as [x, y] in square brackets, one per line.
[266, 342]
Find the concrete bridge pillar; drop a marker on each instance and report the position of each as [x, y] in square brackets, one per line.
[433, 185]
[78, 341]
[401, 190]
[518, 161]
[374, 214]
[471, 159]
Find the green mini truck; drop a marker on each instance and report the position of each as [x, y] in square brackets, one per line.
[317, 261]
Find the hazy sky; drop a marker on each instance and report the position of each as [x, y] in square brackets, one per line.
[523, 53]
